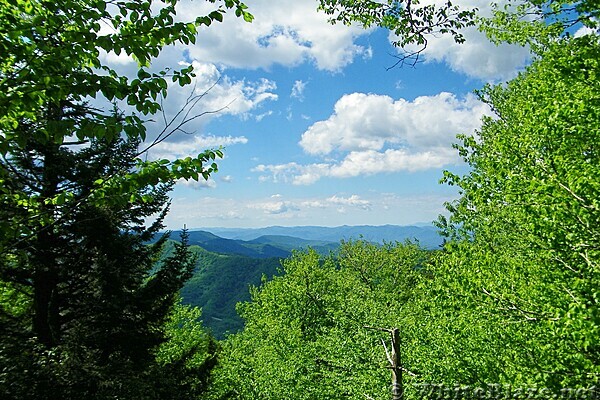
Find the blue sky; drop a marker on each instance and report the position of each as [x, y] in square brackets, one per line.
[316, 130]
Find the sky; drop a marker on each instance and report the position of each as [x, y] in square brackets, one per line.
[316, 127]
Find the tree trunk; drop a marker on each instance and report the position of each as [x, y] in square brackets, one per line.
[397, 385]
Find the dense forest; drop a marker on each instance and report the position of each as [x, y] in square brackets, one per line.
[508, 308]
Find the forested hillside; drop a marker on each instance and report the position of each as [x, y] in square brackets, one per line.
[220, 282]
[90, 290]
[509, 308]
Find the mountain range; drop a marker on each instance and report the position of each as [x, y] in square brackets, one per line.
[303, 236]
[231, 260]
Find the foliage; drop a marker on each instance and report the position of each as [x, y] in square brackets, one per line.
[526, 226]
[51, 65]
[539, 22]
[411, 22]
[187, 357]
[91, 315]
[305, 334]
[90, 303]
[526, 22]
[222, 281]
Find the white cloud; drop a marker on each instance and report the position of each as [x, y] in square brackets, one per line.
[288, 32]
[371, 162]
[370, 122]
[260, 117]
[220, 93]
[277, 205]
[353, 200]
[478, 57]
[584, 30]
[370, 134]
[274, 207]
[199, 184]
[210, 96]
[193, 145]
[298, 90]
[292, 173]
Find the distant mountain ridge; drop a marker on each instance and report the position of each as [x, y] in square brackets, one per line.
[427, 235]
[267, 246]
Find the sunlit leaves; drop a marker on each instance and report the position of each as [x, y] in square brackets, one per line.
[528, 216]
[51, 65]
[539, 22]
[305, 334]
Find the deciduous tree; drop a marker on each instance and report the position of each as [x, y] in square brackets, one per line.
[306, 332]
[527, 222]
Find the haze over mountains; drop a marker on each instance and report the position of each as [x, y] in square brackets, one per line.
[426, 234]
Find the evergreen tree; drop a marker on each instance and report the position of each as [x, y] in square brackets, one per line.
[95, 295]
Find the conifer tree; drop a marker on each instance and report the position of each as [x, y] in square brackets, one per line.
[95, 295]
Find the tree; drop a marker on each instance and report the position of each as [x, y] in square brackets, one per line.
[411, 23]
[527, 221]
[187, 358]
[90, 297]
[512, 300]
[94, 298]
[305, 335]
[50, 65]
[527, 22]
[538, 23]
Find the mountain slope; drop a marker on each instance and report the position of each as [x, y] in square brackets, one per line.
[261, 247]
[290, 243]
[220, 282]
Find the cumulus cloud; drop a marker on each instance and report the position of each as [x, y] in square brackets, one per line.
[220, 95]
[370, 134]
[288, 32]
[187, 111]
[211, 94]
[363, 122]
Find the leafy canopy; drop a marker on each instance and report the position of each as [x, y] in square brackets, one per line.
[411, 22]
[51, 67]
[526, 225]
